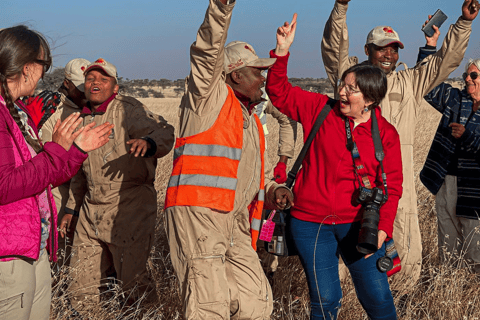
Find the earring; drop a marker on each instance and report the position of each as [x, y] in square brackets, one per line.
[366, 109]
[26, 78]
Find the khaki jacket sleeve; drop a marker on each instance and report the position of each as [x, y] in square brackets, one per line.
[335, 46]
[287, 131]
[76, 194]
[436, 68]
[142, 123]
[207, 57]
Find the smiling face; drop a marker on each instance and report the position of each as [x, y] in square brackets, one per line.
[251, 83]
[99, 87]
[352, 101]
[473, 86]
[383, 57]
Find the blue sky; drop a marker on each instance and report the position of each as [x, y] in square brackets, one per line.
[151, 39]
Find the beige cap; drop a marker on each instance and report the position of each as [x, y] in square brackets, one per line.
[102, 64]
[74, 72]
[383, 36]
[239, 54]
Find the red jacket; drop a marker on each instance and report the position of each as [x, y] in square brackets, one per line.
[325, 184]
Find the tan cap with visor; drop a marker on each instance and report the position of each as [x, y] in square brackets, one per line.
[383, 36]
[239, 54]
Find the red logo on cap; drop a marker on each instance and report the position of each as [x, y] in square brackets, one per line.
[249, 49]
[83, 68]
[388, 30]
[100, 61]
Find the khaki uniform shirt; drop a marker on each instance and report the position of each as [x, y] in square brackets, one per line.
[121, 203]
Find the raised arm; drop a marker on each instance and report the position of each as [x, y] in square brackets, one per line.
[436, 68]
[207, 53]
[335, 44]
[296, 103]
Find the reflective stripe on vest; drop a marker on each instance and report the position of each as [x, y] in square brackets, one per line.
[205, 165]
[256, 207]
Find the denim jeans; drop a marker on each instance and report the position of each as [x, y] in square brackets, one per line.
[319, 247]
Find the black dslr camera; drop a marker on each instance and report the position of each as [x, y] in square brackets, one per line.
[371, 200]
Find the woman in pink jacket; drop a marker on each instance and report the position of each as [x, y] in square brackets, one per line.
[28, 169]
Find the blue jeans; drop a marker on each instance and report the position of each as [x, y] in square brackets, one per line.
[319, 247]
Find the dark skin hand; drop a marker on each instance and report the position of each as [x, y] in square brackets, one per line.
[344, 2]
[68, 225]
[470, 9]
[139, 146]
[283, 199]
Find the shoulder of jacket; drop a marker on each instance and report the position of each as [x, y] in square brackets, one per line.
[128, 102]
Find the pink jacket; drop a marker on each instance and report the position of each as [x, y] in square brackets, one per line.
[22, 179]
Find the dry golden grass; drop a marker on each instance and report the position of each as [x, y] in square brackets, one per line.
[443, 292]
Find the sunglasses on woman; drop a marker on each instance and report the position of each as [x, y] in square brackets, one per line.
[473, 75]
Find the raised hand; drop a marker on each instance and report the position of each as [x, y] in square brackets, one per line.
[344, 2]
[470, 9]
[93, 138]
[432, 41]
[285, 36]
[64, 132]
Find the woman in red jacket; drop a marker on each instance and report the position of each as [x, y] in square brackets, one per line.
[27, 170]
[326, 218]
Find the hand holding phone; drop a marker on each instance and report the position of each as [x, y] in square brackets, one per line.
[437, 20]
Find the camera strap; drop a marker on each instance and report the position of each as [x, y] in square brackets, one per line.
[359, 168]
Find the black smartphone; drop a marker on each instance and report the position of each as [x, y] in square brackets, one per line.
[437, 20]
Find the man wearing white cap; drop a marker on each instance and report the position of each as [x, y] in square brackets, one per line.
[72, 99]
[406, 89]
[115, 229]
[217, 189]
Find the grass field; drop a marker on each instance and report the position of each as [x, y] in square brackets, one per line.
[443, 292]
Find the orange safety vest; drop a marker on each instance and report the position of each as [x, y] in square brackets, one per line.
[205, 166]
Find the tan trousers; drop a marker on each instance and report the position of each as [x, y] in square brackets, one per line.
[25, 289]
[93, 261]
[456, 235]
[219, 272]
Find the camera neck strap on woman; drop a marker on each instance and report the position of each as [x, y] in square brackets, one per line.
[359, 168]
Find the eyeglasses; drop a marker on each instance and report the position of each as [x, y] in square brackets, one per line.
[349, 90]
[46, 64]
[473, 75]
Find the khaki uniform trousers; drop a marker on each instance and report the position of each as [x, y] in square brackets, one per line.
[220, 274]
[25, 289]
[457, 236]
[95, 263]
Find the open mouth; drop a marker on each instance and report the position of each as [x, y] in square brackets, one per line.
[386, 64]
[344, 103]
[95, 90]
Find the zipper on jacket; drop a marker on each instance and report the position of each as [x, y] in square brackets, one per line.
[231, 234]
[253, 176]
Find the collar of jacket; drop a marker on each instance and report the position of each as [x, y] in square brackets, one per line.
[246, 101]
[101, 109]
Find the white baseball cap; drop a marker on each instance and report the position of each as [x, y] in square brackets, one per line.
[74, 72]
